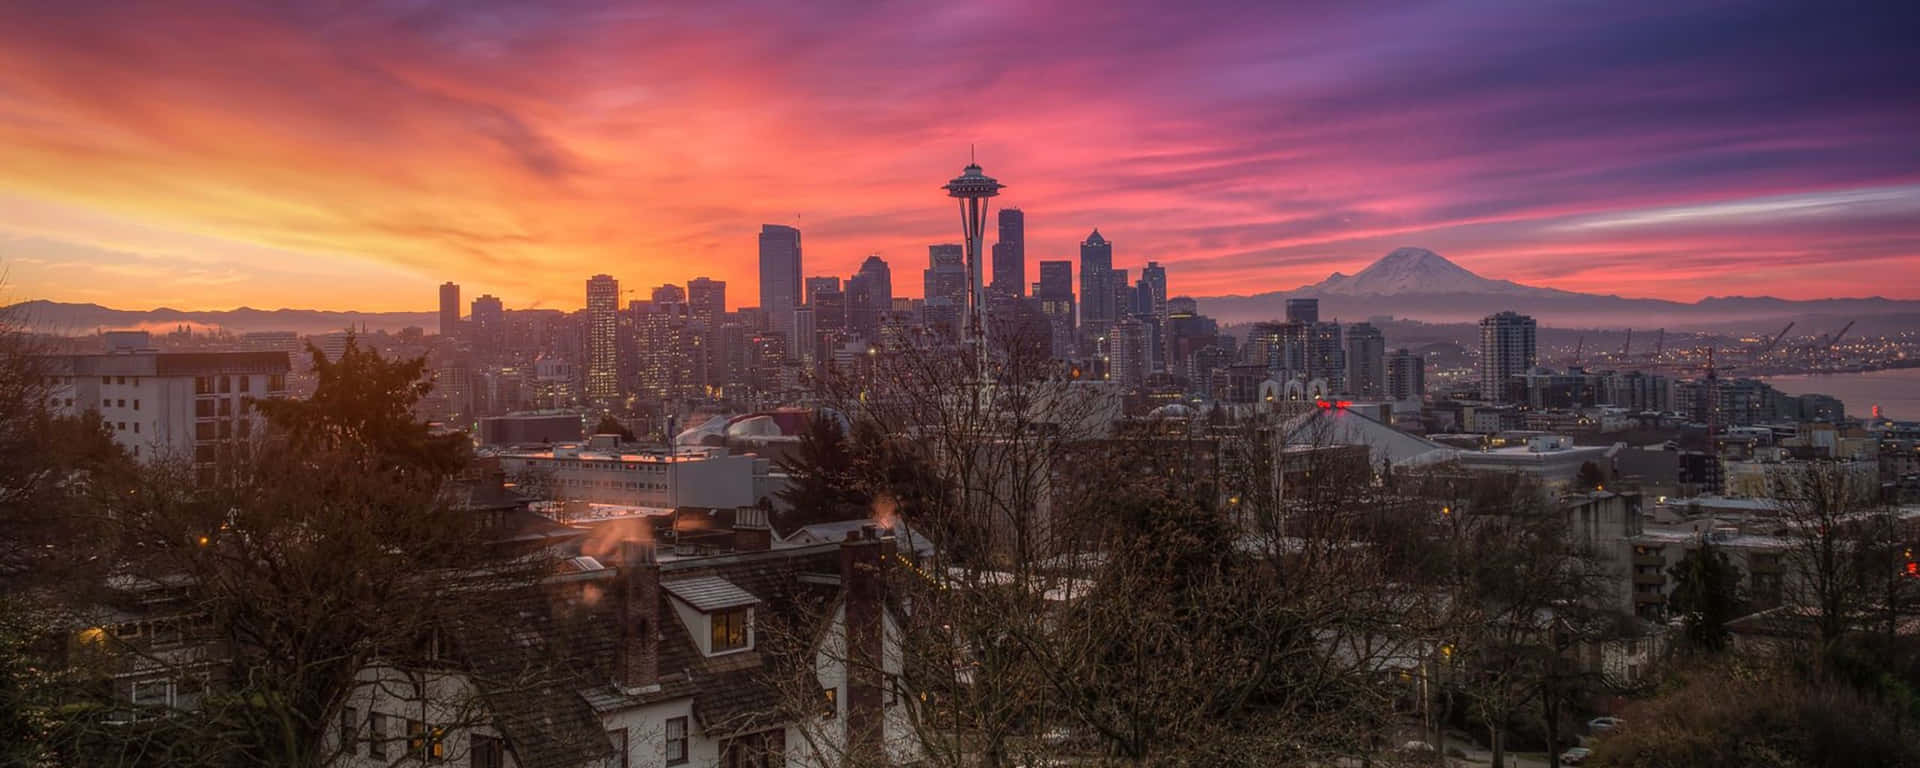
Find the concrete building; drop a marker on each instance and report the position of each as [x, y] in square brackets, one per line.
[449, 309]
[1406, 376]
[1507, 349]
[1010, 254]
[603, 339]
[171, 406]
[1366, 361]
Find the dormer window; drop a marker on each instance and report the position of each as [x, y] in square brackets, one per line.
[730, 629]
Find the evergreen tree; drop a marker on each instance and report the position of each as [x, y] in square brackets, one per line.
[1706, 594]
[823, 481]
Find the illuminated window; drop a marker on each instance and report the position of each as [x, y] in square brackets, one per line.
[416, 737]
[676, 740]
[831, 706]
[730, 630]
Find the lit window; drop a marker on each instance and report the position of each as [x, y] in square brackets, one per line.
[831, 706]
[730, 630]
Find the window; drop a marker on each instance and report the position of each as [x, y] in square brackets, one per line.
[416, 737]
[619, 739]
[246, 383]
[376, 735]
[122, 380]
[437, 749]
[226, 384]
[106, 380]
[349, 721]
[121, 426]
[487, 752]
[136, 403]
[226, 407]
[676, 740]
[205, 430]
[203, 385]
[119, 403]
[203, 409]
[105, 403]
[150, 693]
[832, 704]
[136, 427]
[729, 630]
[276, 382]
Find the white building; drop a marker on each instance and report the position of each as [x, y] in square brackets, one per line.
[162, 405]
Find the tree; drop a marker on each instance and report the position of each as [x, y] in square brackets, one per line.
[822, 480]
[1841, 553]
[611, 426]
[342, 541]
[1706, 595]
[364, 404]
[1590, 476]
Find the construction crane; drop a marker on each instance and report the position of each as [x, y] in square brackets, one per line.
[1627, 348]
[1768, 347]
[1836, 336]
[1577, 347]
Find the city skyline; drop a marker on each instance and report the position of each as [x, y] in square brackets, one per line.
[1608, 152]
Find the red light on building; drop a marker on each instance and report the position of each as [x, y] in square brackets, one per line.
[1323, 404]
[1344, 404]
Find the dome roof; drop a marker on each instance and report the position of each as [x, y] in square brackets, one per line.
[1171, 411]
[754, 426]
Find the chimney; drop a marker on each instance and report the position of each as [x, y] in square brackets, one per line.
[863, 577]
[751, 533]
[637, 662]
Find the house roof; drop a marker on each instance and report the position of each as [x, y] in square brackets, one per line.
[709, 593]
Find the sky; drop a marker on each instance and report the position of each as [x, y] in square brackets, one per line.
[354, 155]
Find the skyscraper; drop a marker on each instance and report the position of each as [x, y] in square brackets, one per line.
[449, 309]
[1154, 278]
[603, 339]
[869, 297]
[488, 318]
[944, 286]
[1326, 359]
[1096, 284]
[780, 277]
[1406, 375]
[1303, 311]
[1054, 291]
[1366, 360]
[669, 294]
[828, 284]
[707, 300]
[1010, 254]
[1506, 350]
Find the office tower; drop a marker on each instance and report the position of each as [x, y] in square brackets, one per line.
[1186, 332]
[1096, 284]
[779, 277]
[1054, 291]
[603, 339]
[1406, 375]
[1305, 311]
[449, 309]
[944, 288]
[1506, 350]
[1266, 346]
[1153, 282]
[1366, 360]
[1010, 254]
[707, 300]
[972, 188]
[489, 324]
[869, 298]
[829, 309]
[1121, 299]
[807, 334]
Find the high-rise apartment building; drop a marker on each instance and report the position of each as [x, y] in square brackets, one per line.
[1153, 281]
[1406, 375]
[1366, 360]
[707, 301]
[449, 309]
[1326, 357]
[780, 277]
[487, 319]
[1506, 350]
[159, 406]
[603, 339]
[1010, 254]
[944, 287]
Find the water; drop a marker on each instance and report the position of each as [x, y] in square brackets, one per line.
[1896, 391]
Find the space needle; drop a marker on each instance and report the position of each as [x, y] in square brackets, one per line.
[972, 188]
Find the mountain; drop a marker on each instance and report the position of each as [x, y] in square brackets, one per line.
[1419, 284]
[1418, 271]
[75, 319]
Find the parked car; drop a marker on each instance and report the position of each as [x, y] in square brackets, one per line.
[1575, 756]
[1604, 724]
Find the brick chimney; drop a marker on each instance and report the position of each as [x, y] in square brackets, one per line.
[637, 661]
[863, 577]
[751, 533]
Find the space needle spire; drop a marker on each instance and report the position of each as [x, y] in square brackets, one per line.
[972, 188]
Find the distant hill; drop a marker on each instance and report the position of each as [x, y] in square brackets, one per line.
[78, 319]
[1420, 284]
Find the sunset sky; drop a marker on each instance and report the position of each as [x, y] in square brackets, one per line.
[345, 155]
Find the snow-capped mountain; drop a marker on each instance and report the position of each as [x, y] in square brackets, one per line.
[1417, 271]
